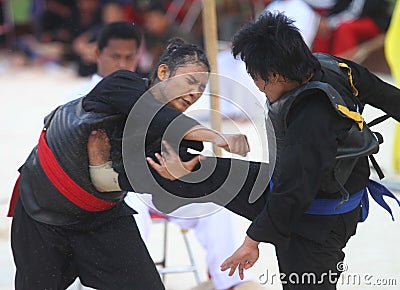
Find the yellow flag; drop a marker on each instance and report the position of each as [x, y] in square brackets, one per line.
[392, 53]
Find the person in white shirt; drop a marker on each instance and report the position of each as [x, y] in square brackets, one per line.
[306, 19]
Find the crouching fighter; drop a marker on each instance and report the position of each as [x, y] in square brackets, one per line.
[62, 227]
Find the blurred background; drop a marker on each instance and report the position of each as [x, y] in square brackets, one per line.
[62, 32]
[47, 51]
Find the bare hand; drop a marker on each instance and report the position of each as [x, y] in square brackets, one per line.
[244, 258]
[170, 165]
[234, 143]
[98, 148]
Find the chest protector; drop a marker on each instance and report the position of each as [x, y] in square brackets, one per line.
[358, 141]
[67, 131]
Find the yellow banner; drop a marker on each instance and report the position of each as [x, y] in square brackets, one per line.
[392, 52]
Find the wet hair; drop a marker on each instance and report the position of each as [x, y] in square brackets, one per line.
[118, 30]
[178, 53]
[272, 44]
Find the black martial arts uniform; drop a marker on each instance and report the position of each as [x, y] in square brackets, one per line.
[305, 243]
[312, 243]
[59, 232]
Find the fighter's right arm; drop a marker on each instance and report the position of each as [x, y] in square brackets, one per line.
[234, 143]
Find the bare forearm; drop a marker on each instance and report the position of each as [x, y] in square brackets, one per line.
[234, 143]
[203, 134]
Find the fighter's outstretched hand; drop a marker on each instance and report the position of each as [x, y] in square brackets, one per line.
[170, 165]
[234, 143]
[244, 258]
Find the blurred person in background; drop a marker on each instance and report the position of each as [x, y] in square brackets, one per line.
[56, 26]
[52, 23]
[85, 15]
[306, 19]
[49, 35]
[157, 29]
[84, 45]
[231, 15]
[116, 48]
[348, 23]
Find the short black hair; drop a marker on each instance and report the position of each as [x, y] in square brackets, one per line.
[272, 44]
[118, 30]
[178, 53]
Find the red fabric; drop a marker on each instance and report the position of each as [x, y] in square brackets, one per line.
[349, 34]
[14, 198]
[321, 43]
[64, 184]
[157, 216]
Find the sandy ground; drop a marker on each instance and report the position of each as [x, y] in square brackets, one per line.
[29, 93]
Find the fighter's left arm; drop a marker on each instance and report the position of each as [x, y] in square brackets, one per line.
[374, 91]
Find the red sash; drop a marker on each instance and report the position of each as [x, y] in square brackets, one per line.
[64, 184]
[14, 198]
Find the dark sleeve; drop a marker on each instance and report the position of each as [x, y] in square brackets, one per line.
[180, 188]
[183, 153]
[308, 153]
[123, 182]
[115, 94]
[374, 91]
[122, 91]
[238, 185]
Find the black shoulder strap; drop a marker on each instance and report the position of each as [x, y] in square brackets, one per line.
[378, 120]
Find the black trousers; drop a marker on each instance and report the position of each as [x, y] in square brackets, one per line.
[312, 265]
[110, 255]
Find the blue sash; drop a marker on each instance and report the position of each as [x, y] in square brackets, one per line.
[330, 206]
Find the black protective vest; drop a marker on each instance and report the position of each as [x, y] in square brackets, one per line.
[67, 134]
[356, 142]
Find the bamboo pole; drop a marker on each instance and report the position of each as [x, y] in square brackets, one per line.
[211, 46]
